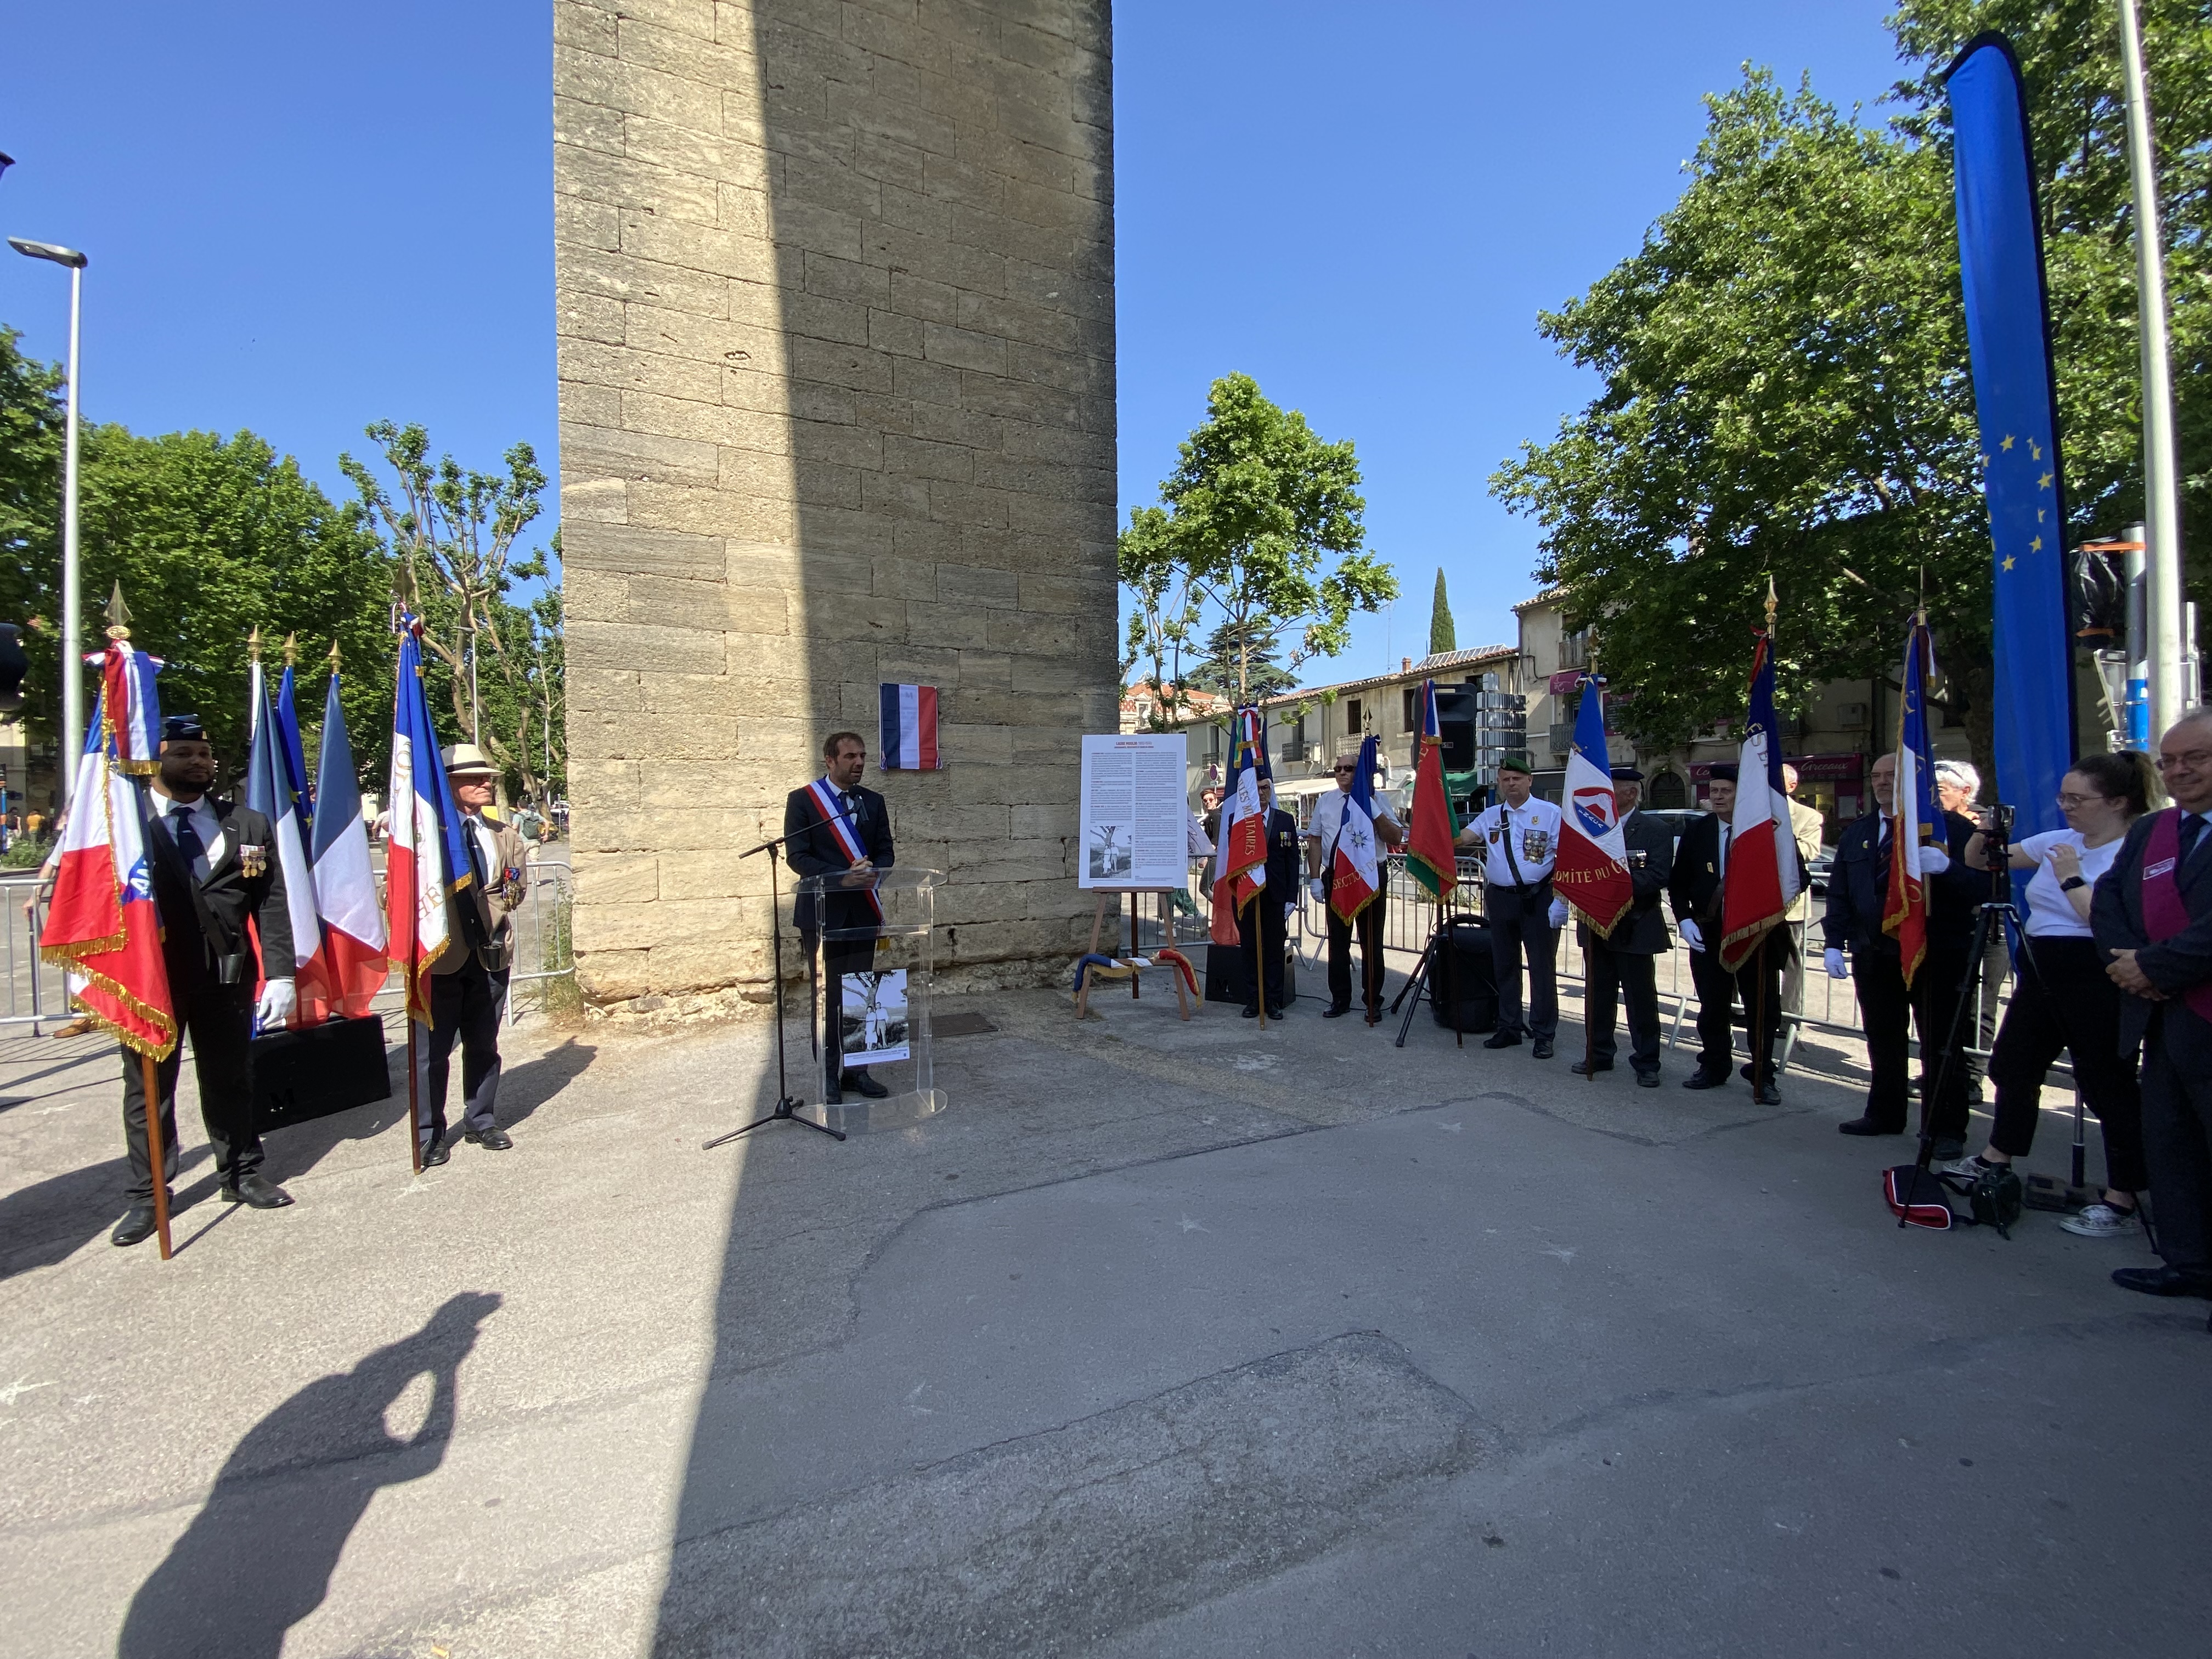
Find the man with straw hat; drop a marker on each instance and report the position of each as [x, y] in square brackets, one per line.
[468, 984]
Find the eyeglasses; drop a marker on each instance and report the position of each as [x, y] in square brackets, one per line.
[1341, 770]
[2071, 801]
[2195, 759]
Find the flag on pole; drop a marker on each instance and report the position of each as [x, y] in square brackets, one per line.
[908, 729]
[266, 793]
[1762, 879]
[1592, 871]
[103, 924]
[1431, 857]
[2008, 310]
[350, 965]
[126, 691]
[424, 860]
[292, 759]
[1912, 830]
[1240, 866]
[1356, 876]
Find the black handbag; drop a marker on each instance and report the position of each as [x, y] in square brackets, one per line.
[298, 1076]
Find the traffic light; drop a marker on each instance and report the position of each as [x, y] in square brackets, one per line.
[14, 665]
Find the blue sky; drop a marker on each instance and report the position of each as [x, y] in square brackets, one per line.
[303, 218]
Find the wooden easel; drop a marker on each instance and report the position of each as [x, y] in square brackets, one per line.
[1166, 895]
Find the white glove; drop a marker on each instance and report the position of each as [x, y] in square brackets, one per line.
[1837, 968]
[1934, 860]
[1692, 935]
[277, 1003]
[1320, 892]
[1559, 915]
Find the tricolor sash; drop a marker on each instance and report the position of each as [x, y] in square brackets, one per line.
[841, 824]
[2164, 913]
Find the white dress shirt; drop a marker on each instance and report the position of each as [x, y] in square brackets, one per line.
[1533, 828]
[1329, 819]
[203, 821]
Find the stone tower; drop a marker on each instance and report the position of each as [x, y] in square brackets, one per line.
[836, 290]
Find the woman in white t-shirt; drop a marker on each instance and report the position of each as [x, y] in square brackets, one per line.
[2063, 999]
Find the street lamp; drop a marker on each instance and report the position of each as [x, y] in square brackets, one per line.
[72, 644]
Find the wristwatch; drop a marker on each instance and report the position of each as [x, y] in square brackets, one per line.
[2070, 884]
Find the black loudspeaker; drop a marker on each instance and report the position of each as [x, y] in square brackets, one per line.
[295, 1076]
[1456, 723]
[1463, 978]
[1228, 976]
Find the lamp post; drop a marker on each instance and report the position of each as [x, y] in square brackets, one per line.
[72, 666]
[2165, 653]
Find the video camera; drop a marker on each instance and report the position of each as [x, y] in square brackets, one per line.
[1996, 835]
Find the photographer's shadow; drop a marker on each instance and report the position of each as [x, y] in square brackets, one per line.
[259, 1557]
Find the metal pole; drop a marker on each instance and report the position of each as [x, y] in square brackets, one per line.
[2161, 487]
[72, 663]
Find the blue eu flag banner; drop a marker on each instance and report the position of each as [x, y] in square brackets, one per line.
[2007, 330]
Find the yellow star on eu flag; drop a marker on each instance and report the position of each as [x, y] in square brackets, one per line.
[2033, 450]
[2035, 545]
[2007, 444]
[2008, 564]
[2043, 482]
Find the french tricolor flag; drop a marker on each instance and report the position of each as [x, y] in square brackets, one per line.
[909, 728]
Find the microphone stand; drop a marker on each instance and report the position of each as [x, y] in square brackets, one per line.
[787, 1104]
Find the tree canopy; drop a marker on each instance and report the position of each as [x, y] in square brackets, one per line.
[1786, 373]
[1246, 531]
[1442, 635]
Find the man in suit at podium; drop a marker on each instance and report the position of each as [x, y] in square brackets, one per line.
[834, 827]
[213, 864]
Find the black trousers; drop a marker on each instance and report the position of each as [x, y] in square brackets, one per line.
[1264, 914]
[1521, 926]
[1758, 984]
[840, 957]
[465, 1008]
[1368, 924]
[1611, 974]
[1890, 1012]
[2064, 1002]
[2177, 1103]
[219, 1020]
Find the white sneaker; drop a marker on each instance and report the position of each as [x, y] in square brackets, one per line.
[2100, 1221]
[1968, 1168]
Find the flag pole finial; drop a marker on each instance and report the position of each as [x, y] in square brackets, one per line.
[118, 614]
[1770, 605]
[334, 656]
[253, 644]
[291, 649]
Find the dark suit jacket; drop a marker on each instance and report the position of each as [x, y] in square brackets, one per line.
[2115, 920]
[1642, 930]
[196, 937]
[1858, 891]
[1693, 887]
[815, 850]
[1287, 864]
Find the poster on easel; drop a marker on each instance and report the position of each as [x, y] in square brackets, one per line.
[1133, 815]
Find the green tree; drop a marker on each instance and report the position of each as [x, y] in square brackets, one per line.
[1235, 654]
[1248, 519]
[212, 538]
[1785, 393]
[1443, 636]
[495, 663]
[30, 502]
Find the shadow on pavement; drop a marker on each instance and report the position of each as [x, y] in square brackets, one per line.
[51, 1220]
[257, 1557]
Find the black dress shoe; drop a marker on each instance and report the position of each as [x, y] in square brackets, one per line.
[1583, 1068]
[860, 1082]
[1336, 1011]
[1867, 1125]
[2151, 1281]
[1277, 1013]
[1767, 1094]
[436, 1152]
[136, 1227]
[1647, 1079]
[257, 1191]
[1542, 1050]
[1251, 1010]
[1502, 1040]
[1702, 1078]
[494, 1140]
[832, 1094]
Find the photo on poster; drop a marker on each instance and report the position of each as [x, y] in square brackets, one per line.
[874, 1016]
[1110, 856]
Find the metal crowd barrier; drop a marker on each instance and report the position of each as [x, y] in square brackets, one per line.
[544, 947]
[37, 995]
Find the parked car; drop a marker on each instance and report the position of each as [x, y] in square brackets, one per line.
[1816, 873]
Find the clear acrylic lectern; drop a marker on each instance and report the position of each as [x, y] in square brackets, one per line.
[874, 964]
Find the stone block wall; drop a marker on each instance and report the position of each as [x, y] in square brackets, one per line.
[836, 290]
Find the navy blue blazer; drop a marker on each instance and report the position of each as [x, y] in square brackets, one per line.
[1858, 889]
